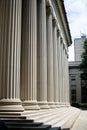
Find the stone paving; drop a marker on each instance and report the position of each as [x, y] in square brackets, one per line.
[81, 122]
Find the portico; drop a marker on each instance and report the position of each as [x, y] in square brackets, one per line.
[34, 40]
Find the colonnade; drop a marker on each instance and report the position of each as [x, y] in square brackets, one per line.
[33, 57]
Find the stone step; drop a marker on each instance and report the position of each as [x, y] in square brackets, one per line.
[56, 119]
[26, 124]
[44, 114]
[17, 121]
[81, 121]
[45, 117]
[68, 120]
[3, 126]
[43, 127]
[55, 128]
[12, 117]
[66, 129]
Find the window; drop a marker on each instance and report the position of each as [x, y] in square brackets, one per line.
[73, 98]
[73, 91]
[73, 86]
[73, 79]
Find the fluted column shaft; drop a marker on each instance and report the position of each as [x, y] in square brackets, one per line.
[58, 53]
[55, 61]
[29, 55]
[50, 83]
[65, 84]
[63, 69]
[60, 69]
[41, 54]
[10, 40]
[67, 71]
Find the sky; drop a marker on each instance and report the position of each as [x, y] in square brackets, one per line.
[77, 18]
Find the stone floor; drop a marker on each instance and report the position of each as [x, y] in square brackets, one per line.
[81, 122]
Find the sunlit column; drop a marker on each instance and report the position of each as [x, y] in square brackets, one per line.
[10, 41]
[41, 55]
[58, 56]
[29, 55]
[55, 63]
[50, 83]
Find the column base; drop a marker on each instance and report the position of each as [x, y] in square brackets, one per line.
[51, 104]
[11, 105]
[30, 105]
[43, 105]
[58, 105]
[64, 104]
[67, 104]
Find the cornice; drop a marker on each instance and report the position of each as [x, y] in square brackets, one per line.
[60, 4]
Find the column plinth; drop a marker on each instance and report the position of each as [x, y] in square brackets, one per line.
[10, 40]
[30, 105]
[11, 105]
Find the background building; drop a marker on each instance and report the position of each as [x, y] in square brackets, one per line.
[78, 89]
[78, 47]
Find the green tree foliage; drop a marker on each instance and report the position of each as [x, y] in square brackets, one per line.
[83, 65]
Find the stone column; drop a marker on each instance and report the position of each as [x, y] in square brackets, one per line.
[29, 55]
[63, 69]
[65, 84]
[55, 63]
[41, 55]
[67, 81]
[60, 68]
[61, 73]
[10, 40]
[64, 76]
[67, 71]
[50, 83]
[58, 56]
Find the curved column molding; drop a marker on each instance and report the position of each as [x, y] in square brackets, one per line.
[41, 55]
[29, 55]
[50, 82]
[55, 63]
[10, 39]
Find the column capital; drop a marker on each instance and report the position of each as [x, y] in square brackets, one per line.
[61, 40]
[47, 3]
[54, 22]
[58, 32]
[49, 10]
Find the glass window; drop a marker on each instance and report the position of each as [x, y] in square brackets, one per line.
[73, 91]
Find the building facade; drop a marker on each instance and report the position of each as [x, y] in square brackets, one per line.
[34, 40]
[75, 81]
[78, 90]
[78, 47]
